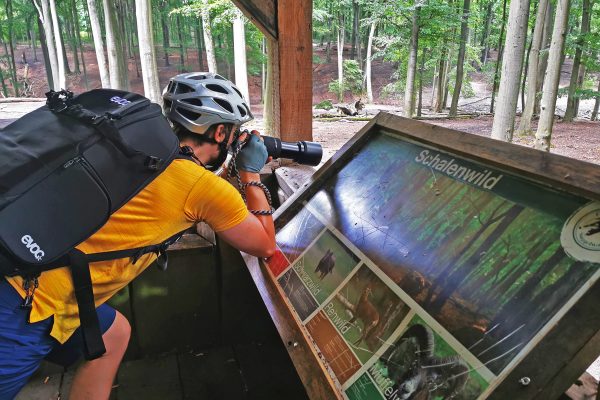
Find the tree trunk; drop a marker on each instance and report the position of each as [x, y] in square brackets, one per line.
[208, 40]
[544, 51]
[143, 14]
[199, 44]
[594, 116]
[512, 64]
[551, 81]
[532, 69]
[340, 55]
[74, 34]
[574, 83]
[421, 69]
[45, 54]
[181, 45]
[115, 55]
[239, 51]
[485, 43]
[464, 33]
[13, 66]
[369, 63]
[409, 92]
[34, 43]
[526, 68]
[263, 80]
[439, 98]
[81, 49]
[62, 78]
[46, 21]
[165, 34]
[98, 43]
[355, 28]
[499, 58]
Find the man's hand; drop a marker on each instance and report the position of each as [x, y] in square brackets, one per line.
[253, 155]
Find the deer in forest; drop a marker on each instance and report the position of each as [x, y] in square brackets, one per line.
[363, 310]
[326, 264]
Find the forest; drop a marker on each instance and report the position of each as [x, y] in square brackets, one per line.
[418, 54]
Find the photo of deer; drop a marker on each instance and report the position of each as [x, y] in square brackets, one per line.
[367, 312]
[421, 365]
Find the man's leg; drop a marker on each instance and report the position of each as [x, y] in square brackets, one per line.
[94, 379]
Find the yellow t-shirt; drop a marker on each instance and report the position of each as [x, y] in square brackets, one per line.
[182, 195]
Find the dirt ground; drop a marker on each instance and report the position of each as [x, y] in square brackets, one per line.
[579, 139]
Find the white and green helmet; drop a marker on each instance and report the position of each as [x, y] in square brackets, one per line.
[198, 100]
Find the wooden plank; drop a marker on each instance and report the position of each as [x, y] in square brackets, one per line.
[263, 13]
[149, 379]
[311, 371]
[295, 68]
[553, 169]
[176, 308]
[268, 372]
[211, 374]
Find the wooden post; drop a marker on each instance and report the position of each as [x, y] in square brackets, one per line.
[287, 25]
[294, 21]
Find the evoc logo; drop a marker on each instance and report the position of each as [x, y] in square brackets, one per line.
[119, 100]
[33, 247]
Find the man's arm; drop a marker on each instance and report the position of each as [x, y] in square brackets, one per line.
[256, 233]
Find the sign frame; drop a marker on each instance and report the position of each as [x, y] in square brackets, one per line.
[565, 351]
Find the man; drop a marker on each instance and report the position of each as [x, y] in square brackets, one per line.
[206, 111]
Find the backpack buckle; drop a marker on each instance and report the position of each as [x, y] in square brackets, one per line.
[153, 163]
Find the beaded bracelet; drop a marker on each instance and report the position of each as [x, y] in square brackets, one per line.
[267, 195]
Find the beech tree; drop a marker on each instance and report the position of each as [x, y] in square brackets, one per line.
[147, 54]
[533, 66]
[512, 64]
[548, 103]
[208, 39]
[239, 44]
[409, 92]
[464, 32]
[578, 70]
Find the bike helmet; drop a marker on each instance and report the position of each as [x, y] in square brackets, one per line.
[198, 100]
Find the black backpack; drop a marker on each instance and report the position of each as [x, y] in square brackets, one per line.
[64, 169]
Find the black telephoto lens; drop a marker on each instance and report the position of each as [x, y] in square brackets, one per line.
[303, 152]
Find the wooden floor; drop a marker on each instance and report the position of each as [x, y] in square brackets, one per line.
[252, 371]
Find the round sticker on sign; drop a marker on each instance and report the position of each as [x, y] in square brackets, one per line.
[580, 236]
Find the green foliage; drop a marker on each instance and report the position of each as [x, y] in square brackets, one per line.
[352, 82]
[325, 104]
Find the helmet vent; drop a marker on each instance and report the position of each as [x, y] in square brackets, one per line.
[167, 104]
[171, 87]
[217, 76]
[243, 111]
[217, 88]
[237, 91]
[224, 104]
[197, 77]
[182, 88]
[194, 102]
[191, 115]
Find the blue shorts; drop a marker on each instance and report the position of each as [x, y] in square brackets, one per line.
[23, 346]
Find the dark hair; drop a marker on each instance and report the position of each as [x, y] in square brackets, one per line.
[186, 135]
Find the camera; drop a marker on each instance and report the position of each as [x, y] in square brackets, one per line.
[303, 152]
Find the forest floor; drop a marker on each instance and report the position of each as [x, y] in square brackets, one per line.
[579, 139]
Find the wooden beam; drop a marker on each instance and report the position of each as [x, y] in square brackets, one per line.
[263, 13]
[294, 20]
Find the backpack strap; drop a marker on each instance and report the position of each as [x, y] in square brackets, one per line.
[93, 344]
[61, 103]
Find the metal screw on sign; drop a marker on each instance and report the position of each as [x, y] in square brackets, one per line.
[525, 381]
